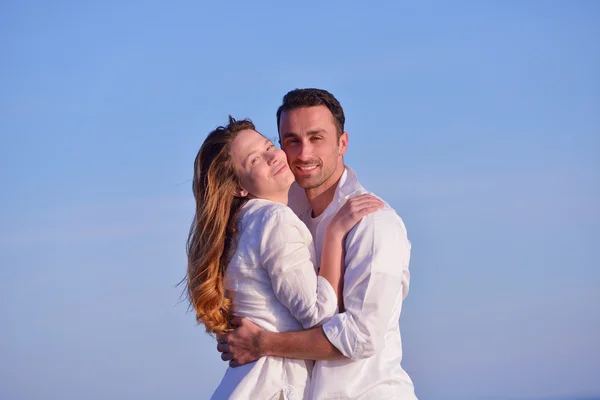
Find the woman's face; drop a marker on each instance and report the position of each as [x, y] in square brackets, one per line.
[262, 168]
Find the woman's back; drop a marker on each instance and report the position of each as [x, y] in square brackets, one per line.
[247, 281]
[272, 281]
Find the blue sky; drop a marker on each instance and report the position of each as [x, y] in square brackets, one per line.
[478, 122]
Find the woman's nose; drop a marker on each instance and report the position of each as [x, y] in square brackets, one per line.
[272, 158]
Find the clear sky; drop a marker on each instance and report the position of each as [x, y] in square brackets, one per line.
[479, 122]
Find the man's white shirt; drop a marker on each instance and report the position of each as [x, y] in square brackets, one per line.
[376, 281]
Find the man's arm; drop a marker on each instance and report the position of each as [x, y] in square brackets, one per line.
[376, 282]
[247, 343]
[311, 344]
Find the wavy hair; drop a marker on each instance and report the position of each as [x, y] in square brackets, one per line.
[214, 228]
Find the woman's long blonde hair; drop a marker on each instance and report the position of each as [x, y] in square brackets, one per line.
[214, 228]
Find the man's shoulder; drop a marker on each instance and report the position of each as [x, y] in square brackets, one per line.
[385, 218]
[380, 234]
[383, 221]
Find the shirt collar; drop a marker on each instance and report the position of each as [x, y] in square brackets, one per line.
[347, 186]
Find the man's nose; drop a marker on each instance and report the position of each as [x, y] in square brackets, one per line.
[305, 152]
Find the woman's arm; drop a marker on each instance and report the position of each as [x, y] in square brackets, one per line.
[286, 257]
[332, 252]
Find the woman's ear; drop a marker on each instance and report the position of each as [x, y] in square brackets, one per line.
[240, 192]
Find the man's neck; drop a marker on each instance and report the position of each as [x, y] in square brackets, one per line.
[322, 195]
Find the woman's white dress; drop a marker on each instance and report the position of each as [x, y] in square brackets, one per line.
[272, 281]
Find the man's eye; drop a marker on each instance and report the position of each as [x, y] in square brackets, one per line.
[254, 160]
[315, 138]
[271, 146]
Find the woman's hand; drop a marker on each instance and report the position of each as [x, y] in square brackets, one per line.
[352, 212]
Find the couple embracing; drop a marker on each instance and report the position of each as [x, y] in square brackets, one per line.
[298, 270]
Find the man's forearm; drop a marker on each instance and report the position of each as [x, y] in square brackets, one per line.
[311, 344]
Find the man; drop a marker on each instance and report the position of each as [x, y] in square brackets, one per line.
[359, 350]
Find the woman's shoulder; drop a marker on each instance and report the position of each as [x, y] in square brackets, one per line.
[269, 211]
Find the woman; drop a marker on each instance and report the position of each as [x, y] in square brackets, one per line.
[249, 255]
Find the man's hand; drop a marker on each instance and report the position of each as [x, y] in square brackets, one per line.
[242, 345]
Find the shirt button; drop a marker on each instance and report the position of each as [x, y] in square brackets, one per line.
[359, 350]
[289, 393]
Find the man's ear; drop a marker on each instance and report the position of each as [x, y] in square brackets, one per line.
[241, 192]
[343, 143]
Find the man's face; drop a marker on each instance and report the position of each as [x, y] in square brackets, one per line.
[309, 138]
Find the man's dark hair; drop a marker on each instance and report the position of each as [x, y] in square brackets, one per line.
[310, 98]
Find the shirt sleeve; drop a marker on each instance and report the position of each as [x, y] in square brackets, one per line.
[286, 255]
[375, 284]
